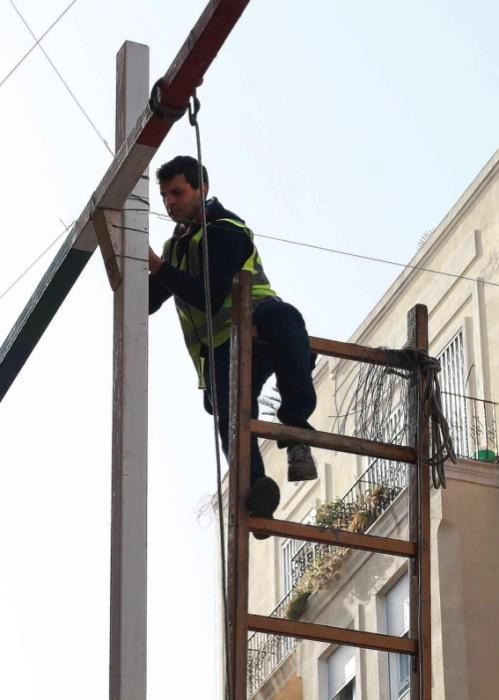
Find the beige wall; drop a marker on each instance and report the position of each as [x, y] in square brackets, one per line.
[293, 690]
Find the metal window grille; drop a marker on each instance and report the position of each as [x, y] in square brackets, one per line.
[453, 399]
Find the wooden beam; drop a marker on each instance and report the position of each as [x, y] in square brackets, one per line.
[333, 537]
[184, 75]
[332, 635]
[108, 224]
[355, 352]
[331, 441]
[130, 245]
[359, 353]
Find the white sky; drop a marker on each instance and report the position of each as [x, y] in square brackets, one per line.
[346, 123]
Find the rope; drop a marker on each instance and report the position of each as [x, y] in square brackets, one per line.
[434, 423]
[193, 112]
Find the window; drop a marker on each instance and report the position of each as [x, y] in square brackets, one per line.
[453, 391]
[341, 668]
[397, 623]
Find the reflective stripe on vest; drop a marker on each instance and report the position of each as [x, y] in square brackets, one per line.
[193, 321]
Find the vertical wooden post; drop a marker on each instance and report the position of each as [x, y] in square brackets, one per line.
[127, 677]
[239, 483]
[419, 519]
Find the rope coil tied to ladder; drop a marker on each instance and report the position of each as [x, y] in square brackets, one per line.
[426, 368]
[380, 404]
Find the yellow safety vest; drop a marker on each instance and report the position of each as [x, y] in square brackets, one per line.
[193, 321]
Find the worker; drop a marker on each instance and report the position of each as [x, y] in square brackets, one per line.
[179, 273]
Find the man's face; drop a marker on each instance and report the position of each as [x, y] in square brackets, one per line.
[182, 201]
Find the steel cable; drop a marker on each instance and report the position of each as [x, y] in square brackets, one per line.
[14, 68]
[73, 96]
[193, 112]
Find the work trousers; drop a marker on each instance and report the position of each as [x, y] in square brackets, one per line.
[285, 352]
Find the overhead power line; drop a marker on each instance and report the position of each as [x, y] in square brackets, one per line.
[32, 264]
[335, 251]
[14, 68]
[75, 99]
[360, 256]
[370, 258]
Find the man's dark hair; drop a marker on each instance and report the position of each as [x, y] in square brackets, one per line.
[182, 165]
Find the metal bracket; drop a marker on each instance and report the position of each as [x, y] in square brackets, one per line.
[108, 227]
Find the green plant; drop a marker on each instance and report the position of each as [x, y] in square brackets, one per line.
[297, 604]
[332, 515]
[326, 567]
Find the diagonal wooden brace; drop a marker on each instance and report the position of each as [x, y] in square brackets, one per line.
[108, 225]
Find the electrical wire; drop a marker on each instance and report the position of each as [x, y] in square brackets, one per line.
[14, 68]
[369, 258]
[335, 251]
[32, 264]
[73, 96]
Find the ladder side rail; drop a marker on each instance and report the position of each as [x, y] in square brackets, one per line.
[239, 482]
[419, 520]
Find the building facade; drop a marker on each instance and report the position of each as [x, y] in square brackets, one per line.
[370, 591]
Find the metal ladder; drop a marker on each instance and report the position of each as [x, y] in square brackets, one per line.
[416, 549]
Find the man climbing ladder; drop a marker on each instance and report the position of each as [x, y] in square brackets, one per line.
[286, 350]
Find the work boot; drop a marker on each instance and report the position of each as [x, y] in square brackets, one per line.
[301, 465]
[263, 500]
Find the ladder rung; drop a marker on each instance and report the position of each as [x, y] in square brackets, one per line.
[332, 635]
[358, 353]
[352, 351]
[341, 538]
[331, 441]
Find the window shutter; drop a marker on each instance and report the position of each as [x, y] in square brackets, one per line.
[397, 608]
[341, 668]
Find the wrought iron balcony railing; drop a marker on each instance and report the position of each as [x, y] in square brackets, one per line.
[472, 424]
[265, 652]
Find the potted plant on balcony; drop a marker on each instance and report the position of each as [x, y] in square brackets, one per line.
[482, 435]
